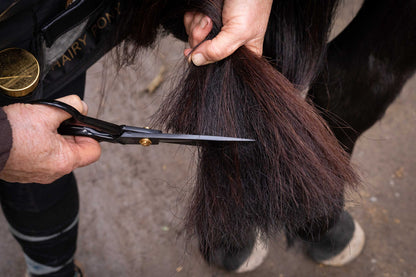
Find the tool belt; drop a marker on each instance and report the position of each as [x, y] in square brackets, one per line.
[64, 44]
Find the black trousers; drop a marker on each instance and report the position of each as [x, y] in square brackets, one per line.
[44, 218]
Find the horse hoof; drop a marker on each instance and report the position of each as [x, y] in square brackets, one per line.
[241, 259]
[256, 258]
[333, 250]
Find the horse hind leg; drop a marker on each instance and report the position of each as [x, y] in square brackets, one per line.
[242, 258]
[367, 66]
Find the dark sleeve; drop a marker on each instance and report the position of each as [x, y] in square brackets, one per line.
[5, 138]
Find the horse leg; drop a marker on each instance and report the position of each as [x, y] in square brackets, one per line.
[241, 258]
[367, 66]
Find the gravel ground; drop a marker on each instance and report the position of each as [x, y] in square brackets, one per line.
[133, 199]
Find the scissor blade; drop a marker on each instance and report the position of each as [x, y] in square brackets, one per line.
[155, 138]
[196, 139]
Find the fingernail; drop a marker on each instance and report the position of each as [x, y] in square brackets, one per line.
[198, 59]
[187, 53]
[203, 23]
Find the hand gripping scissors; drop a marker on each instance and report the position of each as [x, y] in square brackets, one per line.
[81, 125]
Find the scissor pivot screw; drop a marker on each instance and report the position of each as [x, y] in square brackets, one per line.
[145, 142]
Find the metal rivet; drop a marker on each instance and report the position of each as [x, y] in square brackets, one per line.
[145, 142]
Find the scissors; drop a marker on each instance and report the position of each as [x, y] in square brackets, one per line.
[81, 125]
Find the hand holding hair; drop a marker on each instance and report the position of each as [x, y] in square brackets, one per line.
[244, 23]
[39, 154]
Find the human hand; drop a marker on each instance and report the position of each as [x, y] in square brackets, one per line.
[244, 23]
[39, 154]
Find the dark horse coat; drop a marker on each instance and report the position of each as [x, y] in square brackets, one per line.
[367, 66]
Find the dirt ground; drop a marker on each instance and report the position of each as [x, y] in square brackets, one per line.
[133, 200]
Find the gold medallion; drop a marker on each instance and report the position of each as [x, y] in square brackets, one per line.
[19, 72]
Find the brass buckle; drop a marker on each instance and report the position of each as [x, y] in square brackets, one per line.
[19, 72]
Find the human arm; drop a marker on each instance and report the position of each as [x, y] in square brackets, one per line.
[5, 138]
[38, 153]
[244, 23]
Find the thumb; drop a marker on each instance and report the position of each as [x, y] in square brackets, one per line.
[220, 47]
[87, 151]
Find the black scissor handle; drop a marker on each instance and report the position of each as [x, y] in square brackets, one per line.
[81, 120]
[85, 131]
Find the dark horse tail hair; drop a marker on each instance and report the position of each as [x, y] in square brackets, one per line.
[294, 176]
